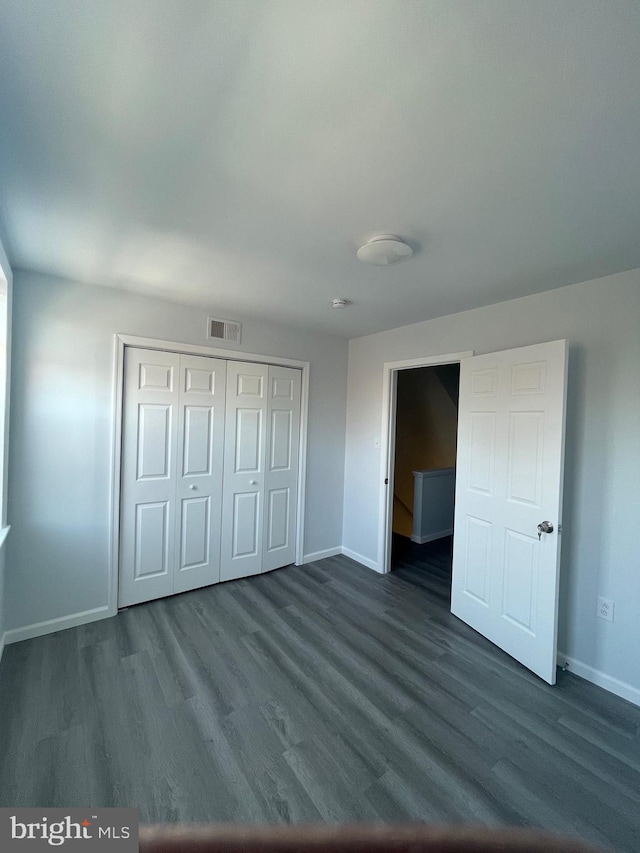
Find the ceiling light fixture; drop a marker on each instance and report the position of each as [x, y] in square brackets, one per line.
[339, 303]
[383, 250]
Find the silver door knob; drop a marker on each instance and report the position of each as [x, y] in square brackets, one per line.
[193, 487]
[252, 482]
[544, 527]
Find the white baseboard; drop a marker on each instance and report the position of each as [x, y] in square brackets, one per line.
[365, 561]
[320, 555]
[430, 537]
[333, 552]
[39, 629]
[596, 676]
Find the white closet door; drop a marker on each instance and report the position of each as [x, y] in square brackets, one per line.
[148, 494]
[244, 474]
[199, 471]
[281, 469]
[209, 472]
[173, 442]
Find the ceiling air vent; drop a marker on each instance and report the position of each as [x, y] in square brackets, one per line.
[223, 330]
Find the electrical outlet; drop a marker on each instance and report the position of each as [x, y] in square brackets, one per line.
[605, 608]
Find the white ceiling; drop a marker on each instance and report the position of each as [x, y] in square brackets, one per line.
[235, 153]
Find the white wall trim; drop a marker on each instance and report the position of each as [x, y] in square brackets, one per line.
[596, 676]
[321, 555]
[116, 463]
[38, 629]
[365, 561]
[305, 368]
[430, 537]
[123, 341]
[4, 532]
[388, 445]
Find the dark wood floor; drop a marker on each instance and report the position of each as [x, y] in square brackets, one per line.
[319, 693]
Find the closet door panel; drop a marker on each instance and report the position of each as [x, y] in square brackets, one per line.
[199, 476]
[244, 464]
[147, 522]
[246, 513]
[281, 476]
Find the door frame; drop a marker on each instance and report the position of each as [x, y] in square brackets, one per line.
[120, 344]
[390, 370]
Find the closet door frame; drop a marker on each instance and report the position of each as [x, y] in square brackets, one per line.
[123, 341]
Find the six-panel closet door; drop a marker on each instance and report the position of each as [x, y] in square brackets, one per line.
[199, 471]
[209, 471]
[281, 484]
[260, 468]
[171, 482]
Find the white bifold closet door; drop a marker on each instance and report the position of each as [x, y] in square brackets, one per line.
[260, 468]
[171, 484]
[209, 471]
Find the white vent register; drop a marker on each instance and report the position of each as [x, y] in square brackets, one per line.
[223, 330]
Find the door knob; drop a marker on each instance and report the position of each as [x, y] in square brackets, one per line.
[193, 487]
[544, 527]
[252, 482]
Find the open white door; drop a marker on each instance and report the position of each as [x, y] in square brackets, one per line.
[509, 480]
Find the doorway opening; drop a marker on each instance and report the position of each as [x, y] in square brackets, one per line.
[392, 370]
[423, 476]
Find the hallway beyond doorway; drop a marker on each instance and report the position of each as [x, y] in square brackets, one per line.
[431, 562]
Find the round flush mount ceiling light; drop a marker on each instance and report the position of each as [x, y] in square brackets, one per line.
[383, 250]
[339, 303]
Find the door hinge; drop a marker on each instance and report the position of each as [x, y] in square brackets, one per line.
[386, 481]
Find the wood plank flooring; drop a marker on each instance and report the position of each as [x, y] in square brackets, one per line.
[324, 692]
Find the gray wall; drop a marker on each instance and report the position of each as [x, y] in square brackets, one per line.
[601, 540]
[62, 413]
